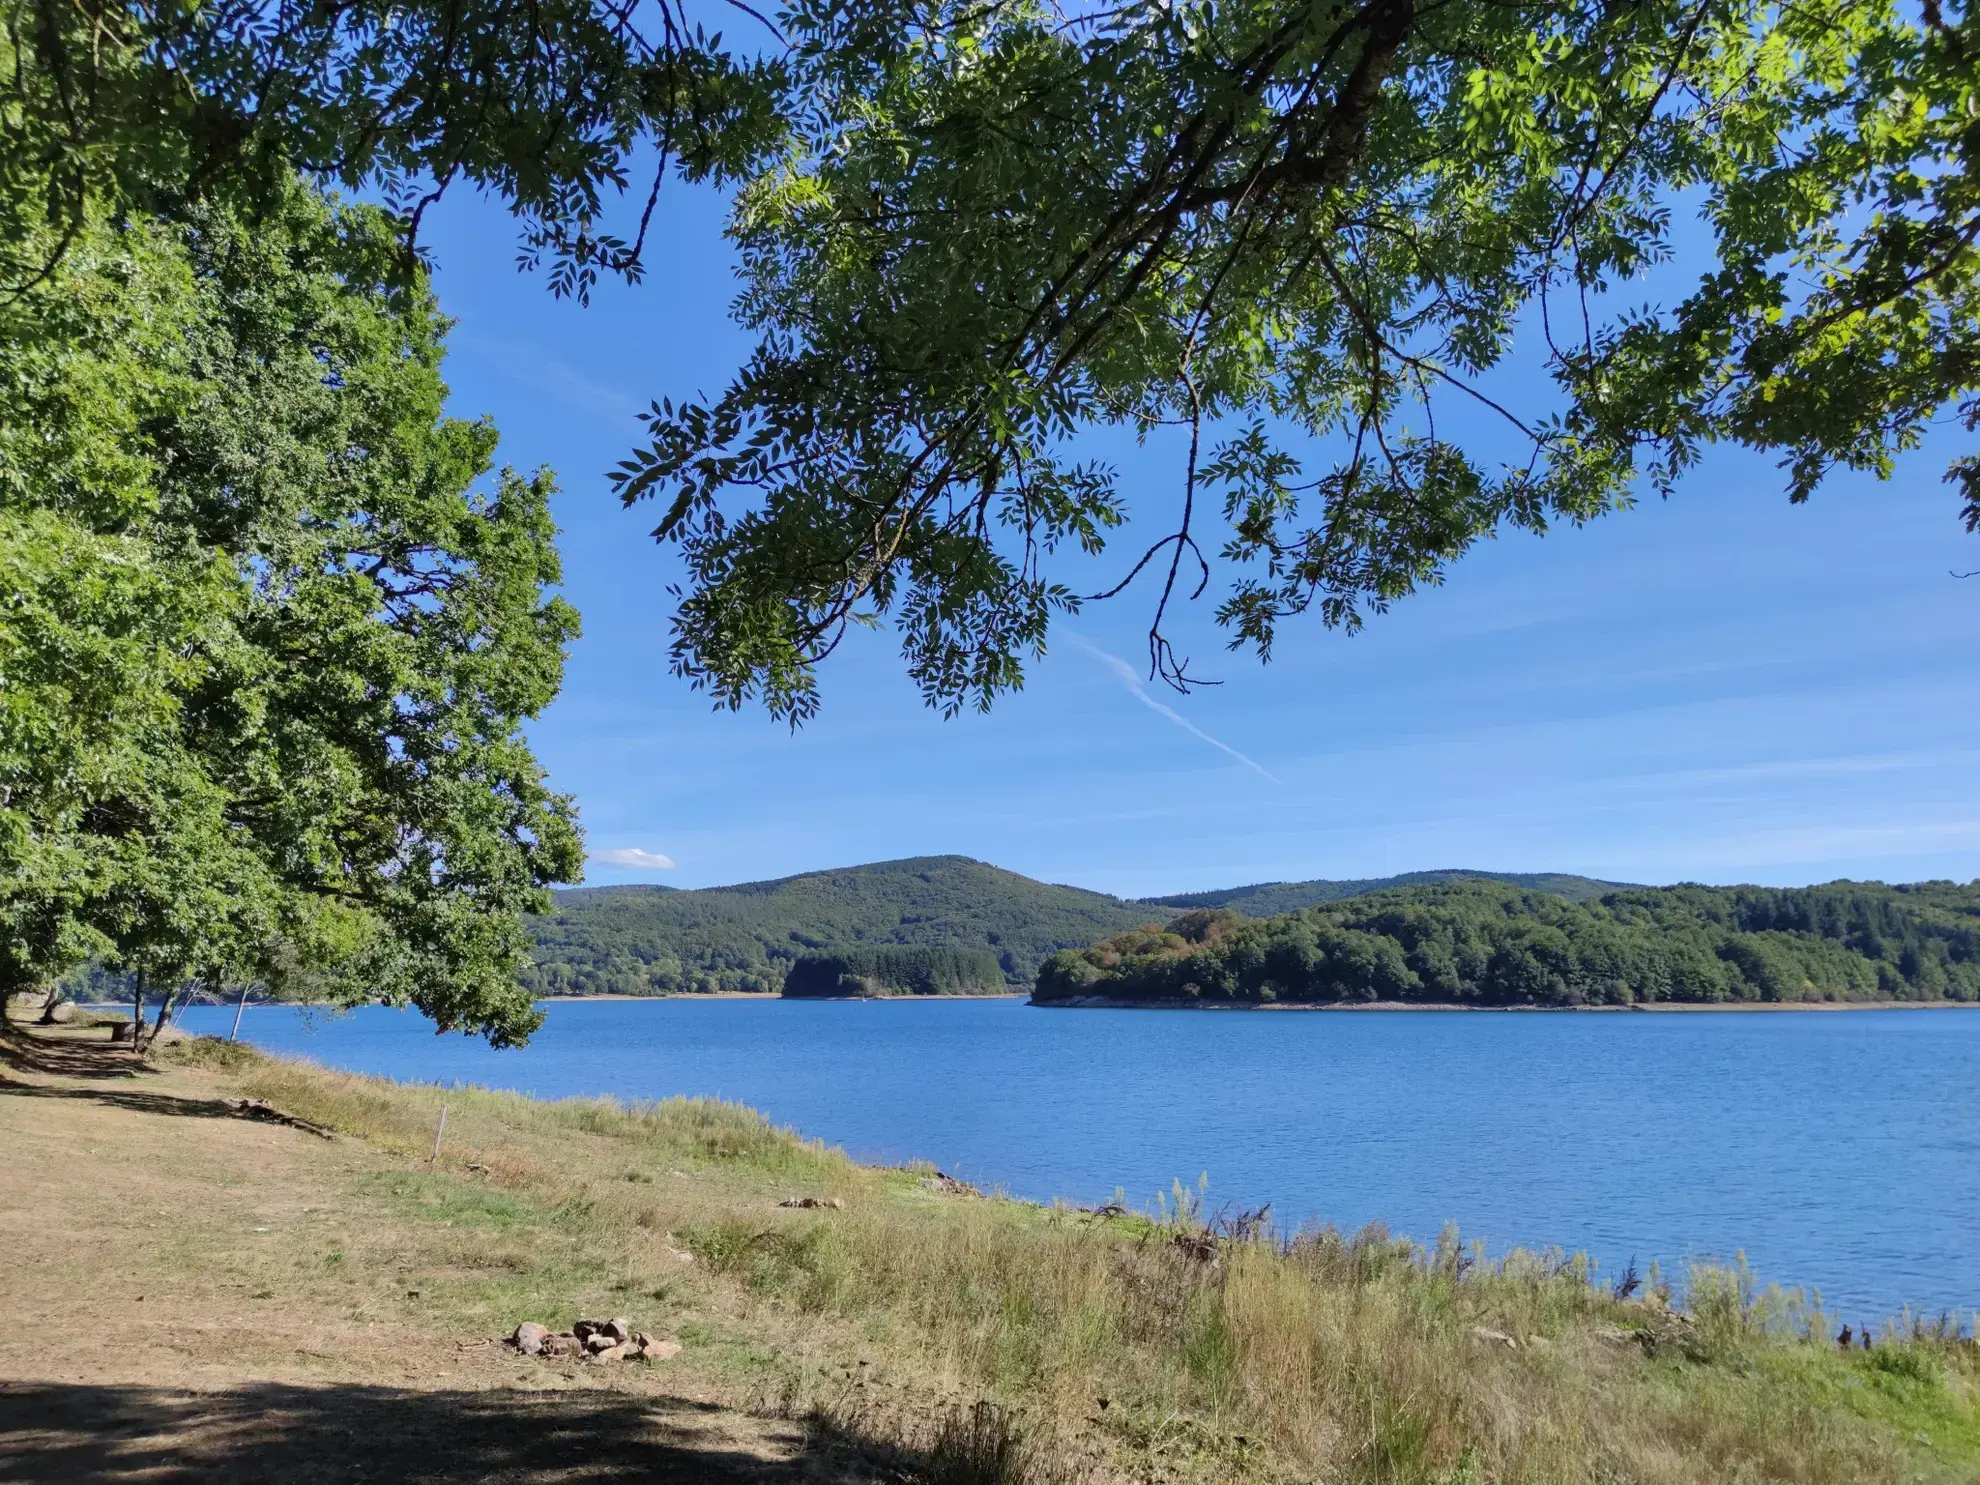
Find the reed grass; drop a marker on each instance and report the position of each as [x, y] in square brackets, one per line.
[1034, 1345]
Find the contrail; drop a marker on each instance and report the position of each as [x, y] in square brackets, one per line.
[1131, 678]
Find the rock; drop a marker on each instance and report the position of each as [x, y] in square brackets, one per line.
[679, 1256]
[598, 1341]
[652, 1350]
[529, 1338]
[616, 1352]
[562, 1344]
[831, 1202]
[59, 1014]
[619, 1328]
[120, 1031]
[1615, 1335]
[1493, 1337]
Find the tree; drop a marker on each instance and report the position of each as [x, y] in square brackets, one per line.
[1308, 234]
[272, 627]
[1303, 233]
[109, 105]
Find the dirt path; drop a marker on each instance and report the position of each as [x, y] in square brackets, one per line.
[144, 1228]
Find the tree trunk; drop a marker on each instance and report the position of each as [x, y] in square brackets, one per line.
[170, 1006]
[137, 1012]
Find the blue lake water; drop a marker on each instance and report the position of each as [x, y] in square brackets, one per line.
[1839, 1150]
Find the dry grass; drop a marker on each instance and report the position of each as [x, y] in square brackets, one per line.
[1122, 1344]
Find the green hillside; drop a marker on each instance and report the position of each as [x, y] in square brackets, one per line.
[658, 940]
[1490, 943]
[1270, 899]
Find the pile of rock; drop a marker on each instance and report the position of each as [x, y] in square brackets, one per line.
[596, 1341]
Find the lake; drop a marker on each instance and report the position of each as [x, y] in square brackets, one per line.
[1839, 1150]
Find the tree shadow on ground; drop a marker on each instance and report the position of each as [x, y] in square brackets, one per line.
[66, 1056]
[287, 1434]
[134, 1100]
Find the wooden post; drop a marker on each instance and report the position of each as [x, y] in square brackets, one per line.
[137, 1014]
[434, 1158]
[235, 1034]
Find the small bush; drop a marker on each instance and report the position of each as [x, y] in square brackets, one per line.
[980, 1447]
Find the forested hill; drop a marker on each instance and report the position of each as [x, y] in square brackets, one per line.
[657, 940]
[1269, 899]
[1491, 943]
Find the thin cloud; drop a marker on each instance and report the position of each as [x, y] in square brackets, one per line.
[1131, 678]
[532, 367]
[634, 856]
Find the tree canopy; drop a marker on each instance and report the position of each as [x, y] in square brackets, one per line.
[1389, 263]
[271, 625]
[1492, 944]
[1404, 273]
[640, 940]
[890, 969]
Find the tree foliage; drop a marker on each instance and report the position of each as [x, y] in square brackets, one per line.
[270, 625]
[552, 105]
[889, 969]
[1490, 944]
[659, 941]
[1407, 274]
[1388, 263]
[1270, 899]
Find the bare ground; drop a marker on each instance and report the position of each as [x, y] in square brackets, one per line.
[142, 1341]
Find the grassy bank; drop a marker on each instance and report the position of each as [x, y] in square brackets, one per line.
[1116, 1346]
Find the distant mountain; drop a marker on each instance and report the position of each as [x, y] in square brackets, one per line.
[662, 940]
[1270, 899]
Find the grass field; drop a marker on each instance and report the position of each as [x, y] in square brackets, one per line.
[237, 1299]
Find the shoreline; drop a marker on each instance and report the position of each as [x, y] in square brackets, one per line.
[1122, 1003]
[712, 1229]
[1657, 1007]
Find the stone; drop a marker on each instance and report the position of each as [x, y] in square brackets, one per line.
[59, 1014]
[598, 1341]
[529, 1338]
[1493, 1337]
[617, 1352]
[652, 1350]
[619, 1328]
[562, 1344]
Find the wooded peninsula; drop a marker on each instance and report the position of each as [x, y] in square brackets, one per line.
[1482, 943]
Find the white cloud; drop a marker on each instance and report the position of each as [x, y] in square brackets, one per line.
[634, 856]
[1131, 678]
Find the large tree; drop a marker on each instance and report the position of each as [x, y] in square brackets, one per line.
[1386, 262]
[1309, 232]
[272, 625]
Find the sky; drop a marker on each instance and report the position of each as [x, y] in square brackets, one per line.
[1718, 688]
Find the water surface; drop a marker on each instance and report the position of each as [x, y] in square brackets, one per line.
[1839, 1150]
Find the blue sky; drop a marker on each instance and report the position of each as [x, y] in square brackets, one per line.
[1719, 688]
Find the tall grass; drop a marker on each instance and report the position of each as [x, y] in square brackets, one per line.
[1209, 1350]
